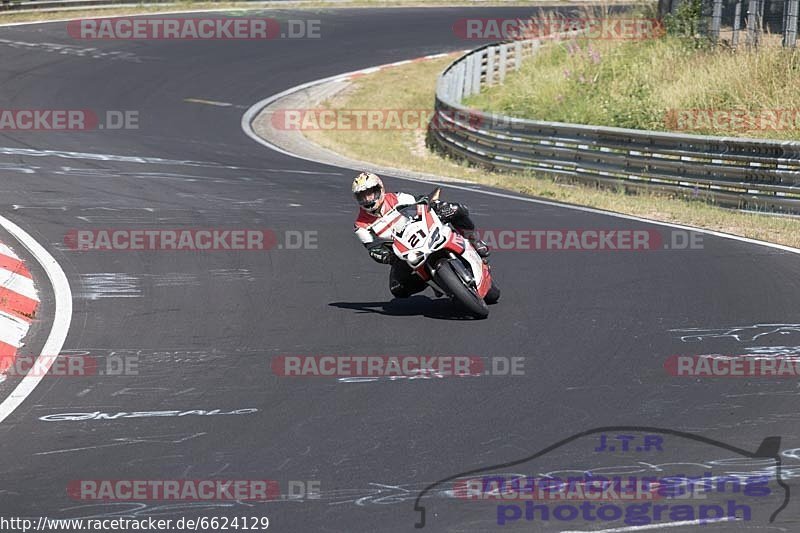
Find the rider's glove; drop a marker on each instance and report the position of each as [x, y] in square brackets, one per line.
[445, 210]
[381, 254]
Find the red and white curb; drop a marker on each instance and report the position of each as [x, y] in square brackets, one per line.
[18, 303]
[62, 311]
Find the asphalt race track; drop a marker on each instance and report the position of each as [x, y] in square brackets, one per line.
[594, 328]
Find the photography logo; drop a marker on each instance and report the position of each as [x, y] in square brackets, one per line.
[617, 476]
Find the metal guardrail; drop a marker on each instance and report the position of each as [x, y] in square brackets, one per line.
[734, 172]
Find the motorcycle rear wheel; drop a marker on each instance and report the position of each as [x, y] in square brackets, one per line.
[493, 295]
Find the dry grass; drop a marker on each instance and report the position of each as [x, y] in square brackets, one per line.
[658, 84]
[412, 86]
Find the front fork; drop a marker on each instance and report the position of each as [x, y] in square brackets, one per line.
[461, 271]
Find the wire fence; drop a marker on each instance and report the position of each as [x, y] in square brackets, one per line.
[739, 22]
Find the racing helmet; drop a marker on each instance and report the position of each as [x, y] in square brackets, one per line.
[368, 192]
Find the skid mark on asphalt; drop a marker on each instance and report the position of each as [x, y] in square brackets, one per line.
[71, 50]
[175, 279]
[213, 103]
[773, 351]
[125, 441]
[100, 285]
[93, 156]
[232, 274]
[173, 355]
[109, 285]
[738, 333]
[17, 167]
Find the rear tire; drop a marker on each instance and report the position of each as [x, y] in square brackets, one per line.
[448, 280]
[493, 295]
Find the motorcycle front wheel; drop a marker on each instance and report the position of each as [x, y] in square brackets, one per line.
[448, 280]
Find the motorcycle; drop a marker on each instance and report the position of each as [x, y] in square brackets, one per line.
[439, 255]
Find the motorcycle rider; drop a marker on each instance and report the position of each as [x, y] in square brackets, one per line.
[374, 202]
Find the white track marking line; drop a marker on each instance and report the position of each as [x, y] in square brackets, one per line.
[119, 15]
[255, 109]
[656, 526]
[61, 317]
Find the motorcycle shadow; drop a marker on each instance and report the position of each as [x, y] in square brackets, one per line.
[418, 305]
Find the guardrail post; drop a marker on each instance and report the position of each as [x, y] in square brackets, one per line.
[469, 73]
[459, 83]
[477, 67]
[503, 61]
[790, 23]
[445, 82]
[737, 20]
[752, 24]
[490, 65]
[467, 77]
[517, 54]
[716, 21]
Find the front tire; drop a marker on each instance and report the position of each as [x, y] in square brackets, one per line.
[448, 280]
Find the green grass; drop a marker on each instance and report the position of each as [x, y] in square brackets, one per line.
[642, 84]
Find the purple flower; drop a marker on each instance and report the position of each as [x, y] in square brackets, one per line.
[567, 73]
[572, 48]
